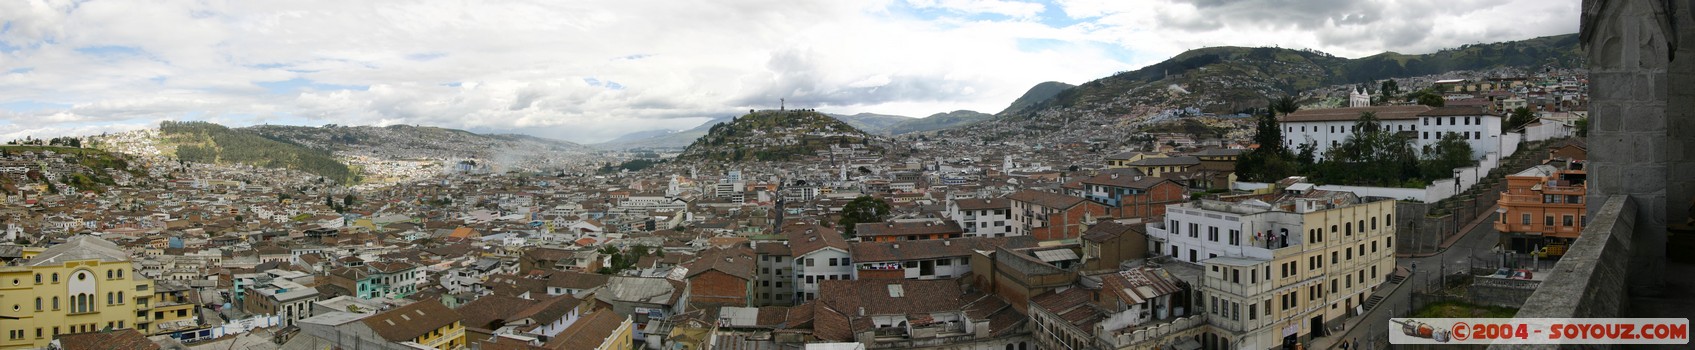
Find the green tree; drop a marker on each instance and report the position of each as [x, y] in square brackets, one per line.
[1430, 98]
[1582, 126]
[862, 209]
[347, 201]
[1272, 161]
[1449, 153]
[1371, 155]
[1519, 118]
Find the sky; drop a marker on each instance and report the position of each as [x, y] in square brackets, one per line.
[588, 70]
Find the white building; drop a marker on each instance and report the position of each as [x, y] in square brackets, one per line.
[1326, 128]
[982, 217]
[820, 254]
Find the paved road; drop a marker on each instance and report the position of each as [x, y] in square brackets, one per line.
[1478, 243]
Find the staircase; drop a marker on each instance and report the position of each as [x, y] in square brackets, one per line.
[1396, 278]
[1372, 303]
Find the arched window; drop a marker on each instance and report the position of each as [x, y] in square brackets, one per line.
[55, 303]
[1374, 223]
[1388, 219]
[110, 299]
[1348, 228]
[37, 303]
[120, 273]
[109, 274]
[38, 278]
[55, 277]
[120, 297]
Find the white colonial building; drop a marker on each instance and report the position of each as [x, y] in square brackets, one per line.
[1327, 128]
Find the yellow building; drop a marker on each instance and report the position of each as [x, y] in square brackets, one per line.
[1284, 271]
[599, 330]
[83, 285]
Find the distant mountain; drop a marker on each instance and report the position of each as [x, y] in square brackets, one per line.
[1037, 94]
[407, 142]
[939, 121]
[668, 139]
[1231, 79]
[640, 135]
[774, 136]
[871, 122]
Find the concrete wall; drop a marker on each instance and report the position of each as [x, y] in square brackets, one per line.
[1501, 292]
[1589, 280]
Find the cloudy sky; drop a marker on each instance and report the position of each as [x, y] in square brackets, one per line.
[589, 71]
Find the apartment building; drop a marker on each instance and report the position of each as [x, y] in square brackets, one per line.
[1283, 271]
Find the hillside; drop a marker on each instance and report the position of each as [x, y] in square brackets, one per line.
[204, 142]
[774, 136]
[872, 123]
[939, 121]
[1036, 94]
[407, 142]
[1232, 79]
[66, 169]
[660, 139]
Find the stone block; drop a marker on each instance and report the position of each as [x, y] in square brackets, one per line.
[1659, 87]
[1644, 117]
[1643, 178]
[1607, 117]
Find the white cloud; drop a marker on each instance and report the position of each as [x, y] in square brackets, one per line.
[591, 70]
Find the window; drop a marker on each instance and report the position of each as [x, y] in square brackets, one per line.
[1526, 218]
[1235, 237]
[38, 278]
[1566, 220]
[55, 277]
[1549, 221]
[1333, 259]
[37, 303]
[809, 262]
[1235, 276]
[944, 262]
[109, 274]
[832, 261]
[1348, 229]
[1252, 314]
[1450, 121]
[1477, 135]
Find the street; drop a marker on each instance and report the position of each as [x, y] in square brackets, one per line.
[1479, 243]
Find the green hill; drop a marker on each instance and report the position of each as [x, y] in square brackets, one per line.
[204, 142]
[1036, 94]
[1232, 79]
[773, 136]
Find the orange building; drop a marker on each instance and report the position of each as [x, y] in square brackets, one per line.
[1543, 205]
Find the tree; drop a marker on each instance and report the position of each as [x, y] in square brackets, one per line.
[1372, 155]
[1389, 88]
[347, 201]
[1582, 126]
[1272, 161]
[1449, 153]
[1520, 117]
[862, 209]
[1432, 99]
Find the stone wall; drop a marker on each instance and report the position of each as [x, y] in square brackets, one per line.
[1632, 151]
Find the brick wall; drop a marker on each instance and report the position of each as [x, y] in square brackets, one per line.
[715, 287]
